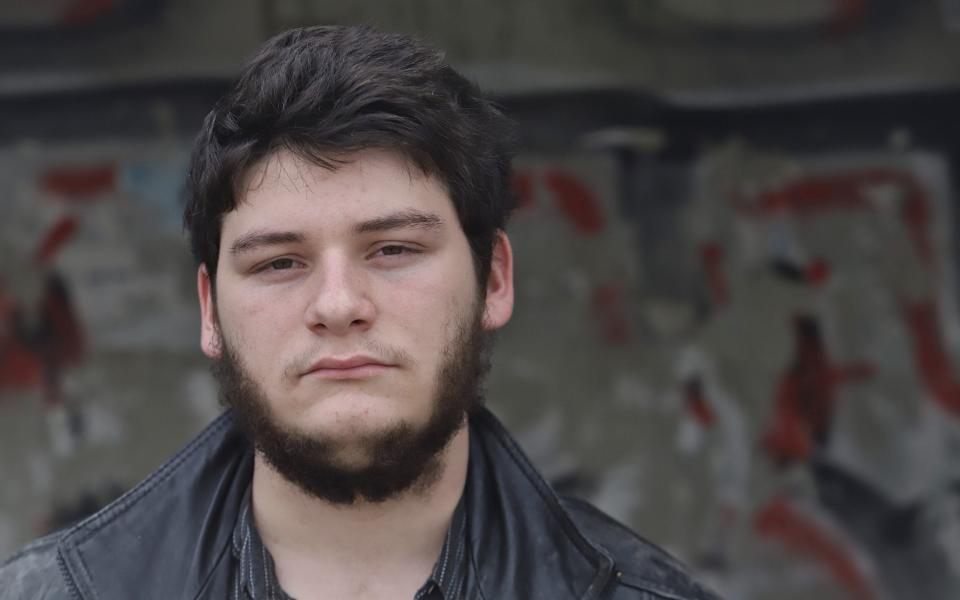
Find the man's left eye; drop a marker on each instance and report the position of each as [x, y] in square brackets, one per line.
[276, 265]
[280, 264]
[394, 250]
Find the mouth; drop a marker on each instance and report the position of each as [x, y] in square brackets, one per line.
[347, 368]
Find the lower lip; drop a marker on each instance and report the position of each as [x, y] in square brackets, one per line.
[359, 372]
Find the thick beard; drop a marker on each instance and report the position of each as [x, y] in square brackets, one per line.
[400, 459]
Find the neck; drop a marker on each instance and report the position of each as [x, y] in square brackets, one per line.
[314, 542]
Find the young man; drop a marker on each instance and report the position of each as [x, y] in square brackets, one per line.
[346, 203]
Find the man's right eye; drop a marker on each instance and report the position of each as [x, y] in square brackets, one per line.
[281, 263]
[277, 264]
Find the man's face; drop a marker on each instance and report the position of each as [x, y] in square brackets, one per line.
[348, 321]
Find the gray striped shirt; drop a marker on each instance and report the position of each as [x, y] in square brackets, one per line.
[254, 577]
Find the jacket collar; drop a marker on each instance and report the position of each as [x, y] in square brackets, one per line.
[172, 531]
[522, 540]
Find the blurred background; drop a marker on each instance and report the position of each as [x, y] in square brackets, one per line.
[737, 326]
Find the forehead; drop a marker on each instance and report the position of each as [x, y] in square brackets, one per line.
[357, 185]
[284, 191]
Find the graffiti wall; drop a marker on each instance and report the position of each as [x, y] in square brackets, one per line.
[99, 377]
[753, 364]
[749, 356]
[737, 322]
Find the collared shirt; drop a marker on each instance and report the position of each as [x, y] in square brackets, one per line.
[254, 576]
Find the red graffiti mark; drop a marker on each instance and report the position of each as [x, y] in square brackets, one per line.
[522, 187]
[576, 202]
[66, 342]
[780, 521]
[79, 13]
[916, 215]
[38, 342]
[712, 257]
[806, 396]
[817, 272]
[33, 352]
[19, 368]
[846, 15]
[816, 194]
[79, 183]
[611, 307]
[697, 402]
[59, 235]
[806, 197]
[930, 359]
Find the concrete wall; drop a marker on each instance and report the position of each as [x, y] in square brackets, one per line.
[649, 363]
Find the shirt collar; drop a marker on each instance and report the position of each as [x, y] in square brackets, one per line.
[255, 574]
[450, 568]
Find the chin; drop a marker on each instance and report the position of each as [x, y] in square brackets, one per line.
[354, 416]
[350, 457]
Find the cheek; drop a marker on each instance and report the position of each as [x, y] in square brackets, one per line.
[431, 311]
[432, 296]
[254, 324]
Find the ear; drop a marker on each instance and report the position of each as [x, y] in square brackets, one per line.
[498, 305]
[210, 341]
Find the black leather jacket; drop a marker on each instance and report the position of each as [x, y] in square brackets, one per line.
[168, 538]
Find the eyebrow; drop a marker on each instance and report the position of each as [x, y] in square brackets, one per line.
[259, 239]
[406, 219]
[412, 219]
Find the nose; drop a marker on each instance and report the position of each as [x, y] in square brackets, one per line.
[340, 302]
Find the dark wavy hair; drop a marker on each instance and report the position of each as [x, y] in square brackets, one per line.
[326, 93]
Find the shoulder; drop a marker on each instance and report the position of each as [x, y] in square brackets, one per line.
[33, 572]
[641, 566]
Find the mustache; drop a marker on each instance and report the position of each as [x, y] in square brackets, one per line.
[381, 352]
